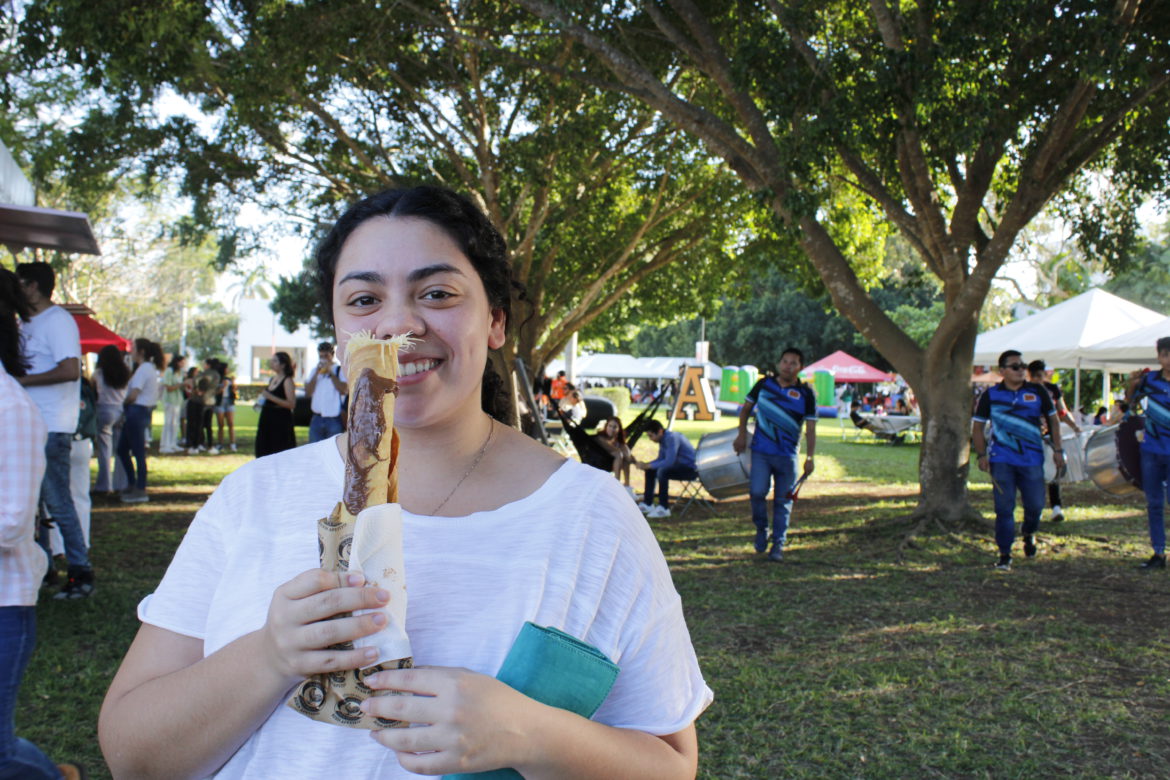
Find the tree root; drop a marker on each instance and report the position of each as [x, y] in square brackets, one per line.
[968, 519]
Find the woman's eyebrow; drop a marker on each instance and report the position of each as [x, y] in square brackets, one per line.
[430, 270]
[372, 277]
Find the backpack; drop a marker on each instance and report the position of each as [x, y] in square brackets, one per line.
[87, 425]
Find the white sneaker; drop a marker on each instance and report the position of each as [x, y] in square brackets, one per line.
[646, 508]
[233, 447]
[213, 451]
[658, 512]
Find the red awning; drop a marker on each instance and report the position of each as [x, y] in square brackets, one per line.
[94, 335]
[847, 368]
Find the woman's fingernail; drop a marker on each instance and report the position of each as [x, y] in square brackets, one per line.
[355, 579]
[383, 595]
[379, 619]
[371, 653]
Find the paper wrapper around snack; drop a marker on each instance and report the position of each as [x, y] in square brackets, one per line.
[364, 534]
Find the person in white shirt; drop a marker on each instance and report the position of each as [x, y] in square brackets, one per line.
[233, 627]
[110, 377]
[52, 347]
[22, 561]
[141, 396]
[325, 386]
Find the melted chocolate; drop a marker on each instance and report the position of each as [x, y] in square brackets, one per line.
[367, 423]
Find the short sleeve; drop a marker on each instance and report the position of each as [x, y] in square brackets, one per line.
[983, 407]
[64, 339]
[182, 600]
[1046, 405]
[640, 623]
[754, 394]
[139, 380]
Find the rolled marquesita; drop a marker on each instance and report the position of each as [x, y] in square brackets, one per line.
[364, 532]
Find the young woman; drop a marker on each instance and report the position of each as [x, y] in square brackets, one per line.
[243, 614]
[141, 396]
[225, 408]
[612, 436]
[110, 377]
[173, 401]
[274, 431]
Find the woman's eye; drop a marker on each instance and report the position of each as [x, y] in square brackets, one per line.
[437, 295]
[363, 300]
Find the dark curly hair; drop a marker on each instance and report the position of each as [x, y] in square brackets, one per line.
[471, 231]
[12, 306]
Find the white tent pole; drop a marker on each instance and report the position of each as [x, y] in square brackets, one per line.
[1106, 393]
[1077, 388]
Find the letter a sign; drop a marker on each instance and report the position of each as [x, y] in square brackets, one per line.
[695, 389]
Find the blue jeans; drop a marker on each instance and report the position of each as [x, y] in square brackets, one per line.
[133, 440]
[19, 758]
[1155, 474]
[779, 473]
[58, 498]
[323, 427]
[662, 477]
[1006, 480]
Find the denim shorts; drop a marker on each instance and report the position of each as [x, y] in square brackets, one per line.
[224, 408]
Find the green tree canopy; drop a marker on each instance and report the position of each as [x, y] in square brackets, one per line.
[955, 122]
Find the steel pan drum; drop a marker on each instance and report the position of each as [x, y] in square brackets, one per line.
[1074, 458]
[1113, 457]
[723, 473]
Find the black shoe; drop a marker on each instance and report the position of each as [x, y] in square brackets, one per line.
[78, 586]
[1155, 562]
[761, 540]
[776, 553]
[1004, 563]
[1029, 546]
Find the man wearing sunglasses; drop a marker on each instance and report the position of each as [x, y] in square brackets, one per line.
[1015, 455]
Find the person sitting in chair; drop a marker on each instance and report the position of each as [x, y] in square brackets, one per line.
[573, 406]
[612, 437]
[676, 460]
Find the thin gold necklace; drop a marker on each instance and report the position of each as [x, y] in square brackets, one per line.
[478, 457]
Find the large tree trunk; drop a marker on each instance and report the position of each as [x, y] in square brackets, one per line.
[944, 400]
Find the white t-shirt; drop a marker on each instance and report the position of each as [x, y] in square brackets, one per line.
[113, 396]
[49, 338]
[326, 400]
[575, 554]
[145, 380]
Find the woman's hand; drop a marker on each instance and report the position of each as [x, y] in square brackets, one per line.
[474, 722]
[299, 633]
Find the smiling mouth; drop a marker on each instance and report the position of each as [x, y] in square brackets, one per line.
[416, 367]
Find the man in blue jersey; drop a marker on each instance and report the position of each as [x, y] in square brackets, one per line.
[1153, 388]
[1015, 456]
[781, 404]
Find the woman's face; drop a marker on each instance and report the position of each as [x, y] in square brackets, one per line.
[274, 364]
[402, 274]
[611, 428]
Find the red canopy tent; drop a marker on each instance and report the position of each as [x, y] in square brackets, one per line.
[94, 335]
[847, 368]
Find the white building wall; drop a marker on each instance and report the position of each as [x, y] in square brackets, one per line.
[260, 334]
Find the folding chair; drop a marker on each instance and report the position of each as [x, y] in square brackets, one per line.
[691, 492]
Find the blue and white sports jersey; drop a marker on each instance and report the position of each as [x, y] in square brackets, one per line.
[1015, 417]
[1155, 390]
[780, 413]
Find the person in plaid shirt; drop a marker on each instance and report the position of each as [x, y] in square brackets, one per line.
[22, 561]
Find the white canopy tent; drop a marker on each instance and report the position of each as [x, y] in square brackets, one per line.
[617, 366]
[1062, 334]
[1128, 351]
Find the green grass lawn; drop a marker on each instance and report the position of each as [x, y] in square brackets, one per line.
[837, 663]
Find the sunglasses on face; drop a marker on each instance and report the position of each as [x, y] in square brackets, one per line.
[1016, 366]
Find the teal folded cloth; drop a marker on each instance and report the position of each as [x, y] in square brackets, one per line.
[556, 669]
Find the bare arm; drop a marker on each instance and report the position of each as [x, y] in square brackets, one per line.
[979, 444]
[745, 413]
[170, 712]
[810, 436]
[68, 370]
[477, 723]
